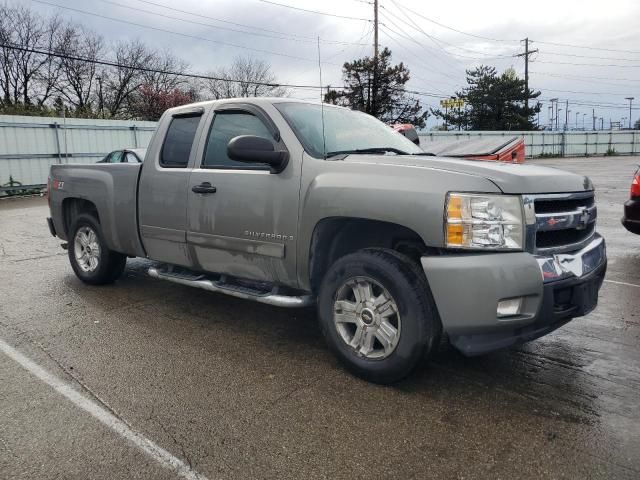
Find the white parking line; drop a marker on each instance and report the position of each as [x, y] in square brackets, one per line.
[156, 452]
[623, 283]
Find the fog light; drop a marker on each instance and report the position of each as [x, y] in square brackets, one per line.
[509, 307]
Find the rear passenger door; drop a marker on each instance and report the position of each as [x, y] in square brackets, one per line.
[162, 193]
[245, 226]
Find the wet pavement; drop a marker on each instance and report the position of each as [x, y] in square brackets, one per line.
[241, 390]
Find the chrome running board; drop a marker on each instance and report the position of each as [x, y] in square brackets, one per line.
[221, 285]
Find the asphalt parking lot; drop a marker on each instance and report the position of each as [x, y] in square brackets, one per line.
[215, 387]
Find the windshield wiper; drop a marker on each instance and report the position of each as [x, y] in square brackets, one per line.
[425, 154]
[367, 150]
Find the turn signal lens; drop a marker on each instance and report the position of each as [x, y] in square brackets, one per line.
[635, 185]
[454, 208]
[455, 234]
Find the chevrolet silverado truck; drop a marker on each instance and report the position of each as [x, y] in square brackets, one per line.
[292, 204]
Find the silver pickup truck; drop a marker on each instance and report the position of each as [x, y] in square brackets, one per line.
[292, 203]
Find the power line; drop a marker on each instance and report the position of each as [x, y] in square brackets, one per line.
[411, 23]
[585, 47]
[585, 77]
[200, 15]
[282, 36]
[407, 36]
[151, 70]
[315, 11]
[418, 59]
[451, 28]
[559, 54]
[387, 31]
[579, 92]
[183, 74]
[589, 64]
[176, 33]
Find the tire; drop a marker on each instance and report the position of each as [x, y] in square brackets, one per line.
[351, 314]
[97, 265]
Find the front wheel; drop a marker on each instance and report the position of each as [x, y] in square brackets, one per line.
[377, 314]
[90, 258]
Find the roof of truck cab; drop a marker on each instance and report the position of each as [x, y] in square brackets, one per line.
[251, 100]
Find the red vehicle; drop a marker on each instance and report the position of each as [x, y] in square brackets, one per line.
[631, 218]
[499, 149]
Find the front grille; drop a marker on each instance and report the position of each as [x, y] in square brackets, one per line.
[554, 206]
[564, 222]
[559, 238]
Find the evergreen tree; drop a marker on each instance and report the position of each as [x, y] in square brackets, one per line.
[493, 102]
[386, 99]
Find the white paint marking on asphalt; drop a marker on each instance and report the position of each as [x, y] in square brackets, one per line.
[623, 283]
[156, 452]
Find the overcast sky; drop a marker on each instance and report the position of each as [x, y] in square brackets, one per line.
[488, 32]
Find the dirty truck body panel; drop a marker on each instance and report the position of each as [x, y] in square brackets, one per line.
[189, 205]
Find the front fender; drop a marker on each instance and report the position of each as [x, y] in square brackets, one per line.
[412, 197]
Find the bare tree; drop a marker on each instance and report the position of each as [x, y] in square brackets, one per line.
[48, 76]
[80, 48]
[24, 72]
[123, 80]
[160, 80]
[161, 88]
[247, 77]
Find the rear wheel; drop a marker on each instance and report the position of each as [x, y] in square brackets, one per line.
[377, 314]
[92, 261]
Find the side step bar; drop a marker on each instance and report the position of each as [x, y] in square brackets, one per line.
[221, 286]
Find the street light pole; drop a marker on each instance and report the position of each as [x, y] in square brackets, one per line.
[577, 113]
[630, 102]
[583, 117]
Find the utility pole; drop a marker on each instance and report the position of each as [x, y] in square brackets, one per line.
[594, 119]
[630, 101]
[558, 110]
[526, 54]
[374, 107]
[566, 116]
[554, 101]
[577, 113]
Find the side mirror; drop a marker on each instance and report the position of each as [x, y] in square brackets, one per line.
[253, 149]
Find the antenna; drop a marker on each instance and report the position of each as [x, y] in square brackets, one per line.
[324, 140]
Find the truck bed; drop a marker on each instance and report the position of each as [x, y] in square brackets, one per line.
[112, 188]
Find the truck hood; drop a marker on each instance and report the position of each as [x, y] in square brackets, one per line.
[508, 177]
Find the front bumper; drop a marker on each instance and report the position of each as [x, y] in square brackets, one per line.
[554, 289]
[631, 218]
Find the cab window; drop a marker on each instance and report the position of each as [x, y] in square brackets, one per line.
[225, 126]
[178, 141]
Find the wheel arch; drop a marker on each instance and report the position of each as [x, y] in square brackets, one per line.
[72, 207]
[335, 237]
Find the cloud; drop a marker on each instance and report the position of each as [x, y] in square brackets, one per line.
[437, 56]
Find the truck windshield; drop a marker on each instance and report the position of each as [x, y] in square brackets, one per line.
[345, 131]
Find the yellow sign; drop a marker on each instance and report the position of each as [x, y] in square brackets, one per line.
[452, 103]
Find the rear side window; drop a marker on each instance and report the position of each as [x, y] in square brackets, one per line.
[178, 142]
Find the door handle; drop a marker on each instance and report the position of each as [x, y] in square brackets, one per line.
[204, 187]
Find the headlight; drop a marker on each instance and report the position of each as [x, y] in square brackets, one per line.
[483, 221]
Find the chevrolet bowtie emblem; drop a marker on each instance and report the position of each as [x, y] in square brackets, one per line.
[583, 219]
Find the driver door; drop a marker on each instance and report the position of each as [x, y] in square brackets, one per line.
[242, 219]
